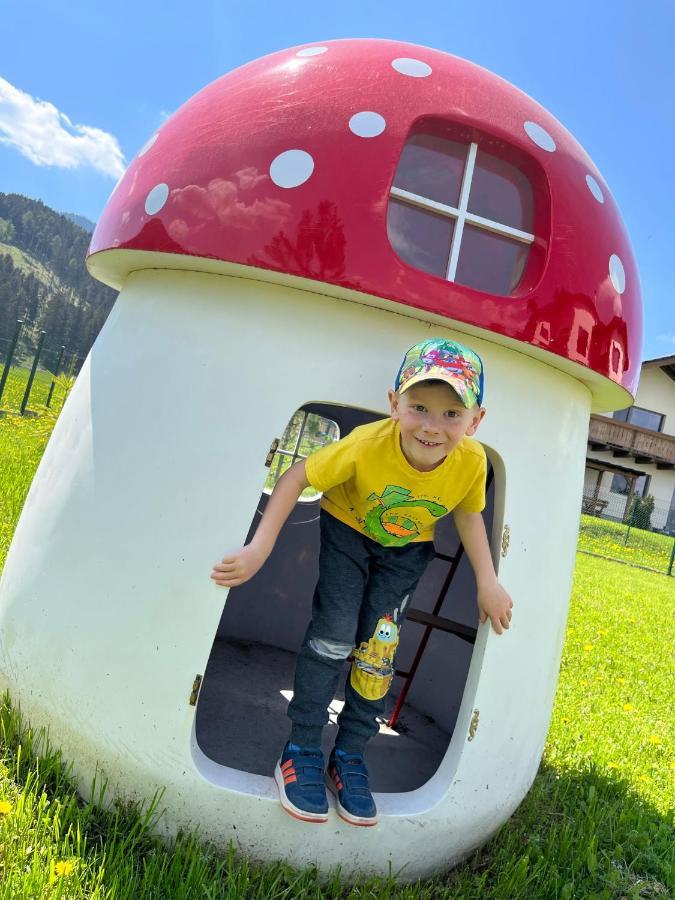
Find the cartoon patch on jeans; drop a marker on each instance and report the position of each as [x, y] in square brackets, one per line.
[387, 523]
[372, 667]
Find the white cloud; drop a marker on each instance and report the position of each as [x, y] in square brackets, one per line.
[668, 338]
[47, 137]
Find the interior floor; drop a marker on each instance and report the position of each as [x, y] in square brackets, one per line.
[242, 722]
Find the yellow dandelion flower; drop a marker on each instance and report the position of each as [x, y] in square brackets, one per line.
[603, 631]
[565, 719]
[583, 682]
[643, 778]
[655, 739]
[5, 807]
[627, 707]
[621, 680]
[672, 765]
[64, 867]
[588, 647]
[612, 765]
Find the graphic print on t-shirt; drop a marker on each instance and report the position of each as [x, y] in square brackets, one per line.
[391, 521]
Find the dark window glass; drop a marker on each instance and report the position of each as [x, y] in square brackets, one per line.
[645, 419]
[621, 485]
[420, 238]
[432, 167]
[501, 193]
[490, 262]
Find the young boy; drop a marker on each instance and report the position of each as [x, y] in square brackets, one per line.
[384, 487]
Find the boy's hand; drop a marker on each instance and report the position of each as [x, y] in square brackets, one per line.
[239, 567]
[494, 603]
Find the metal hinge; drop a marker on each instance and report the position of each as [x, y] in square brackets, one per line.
[271, 452]
[196, 684]
[506, 540]
[473, 725]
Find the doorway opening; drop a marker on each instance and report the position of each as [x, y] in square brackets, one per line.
[241, 717]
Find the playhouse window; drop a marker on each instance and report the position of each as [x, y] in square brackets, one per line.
[461, 213]
[305, 434]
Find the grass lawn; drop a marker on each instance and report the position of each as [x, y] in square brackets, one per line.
[637, 546]
[596, 824]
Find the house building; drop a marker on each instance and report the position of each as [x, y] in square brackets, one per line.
[632, 451]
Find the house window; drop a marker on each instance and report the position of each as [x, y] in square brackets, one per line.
[461, 213]
[621, 485]
[305, 433]
[644, 418]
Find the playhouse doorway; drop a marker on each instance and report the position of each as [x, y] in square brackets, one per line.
[241, 717]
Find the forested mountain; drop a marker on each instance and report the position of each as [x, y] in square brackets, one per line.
[43, 279]
[82, 221]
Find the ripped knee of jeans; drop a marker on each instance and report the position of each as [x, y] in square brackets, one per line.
[330, 649]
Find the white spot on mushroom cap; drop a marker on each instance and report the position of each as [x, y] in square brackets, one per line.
[595, 189]
[617, 273]
[367, 124]
[156, 199]
[291, 168]
[413, 67]
[539, 136]
[148, 144]
[311, 51]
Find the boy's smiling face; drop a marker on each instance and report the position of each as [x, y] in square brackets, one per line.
[432, 420]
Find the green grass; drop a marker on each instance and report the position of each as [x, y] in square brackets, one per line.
[596, 824]
[614, 540]
[15, 387]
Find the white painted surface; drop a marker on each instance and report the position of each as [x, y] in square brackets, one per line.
[367, 124]
[415, 68]
[152, 473]
[156, 199]
[539, 136]
[291, 168]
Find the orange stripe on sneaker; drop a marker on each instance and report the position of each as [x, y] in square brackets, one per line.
[287, 765]
[289, 779]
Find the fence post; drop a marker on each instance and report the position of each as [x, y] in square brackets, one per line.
[56, 372]
[672, 558]
[32, 372]
[10, 354]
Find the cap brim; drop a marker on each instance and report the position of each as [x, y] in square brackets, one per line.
[467, 397]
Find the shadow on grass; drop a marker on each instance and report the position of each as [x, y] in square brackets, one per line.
[579, 835]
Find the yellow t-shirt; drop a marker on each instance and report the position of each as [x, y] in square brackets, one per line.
[368, 483]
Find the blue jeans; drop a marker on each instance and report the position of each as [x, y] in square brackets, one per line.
[358, 609]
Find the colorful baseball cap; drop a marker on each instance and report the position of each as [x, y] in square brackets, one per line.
[446, 361]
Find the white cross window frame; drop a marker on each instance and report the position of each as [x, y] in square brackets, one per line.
[460, 214]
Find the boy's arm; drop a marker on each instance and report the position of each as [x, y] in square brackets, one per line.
[493, 601]
[238, 567]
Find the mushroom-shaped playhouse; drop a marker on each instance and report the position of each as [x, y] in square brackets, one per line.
[278, 244]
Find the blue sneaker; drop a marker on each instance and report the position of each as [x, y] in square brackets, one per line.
[347, 777]
[299, 777]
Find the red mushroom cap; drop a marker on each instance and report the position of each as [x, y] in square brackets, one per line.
[286, 164]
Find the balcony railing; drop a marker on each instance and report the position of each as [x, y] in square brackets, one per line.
[624, 439]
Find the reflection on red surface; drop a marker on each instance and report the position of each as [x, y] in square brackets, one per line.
[317, 250]
[215, 153]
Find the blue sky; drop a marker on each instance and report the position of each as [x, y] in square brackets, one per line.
[83, 85]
